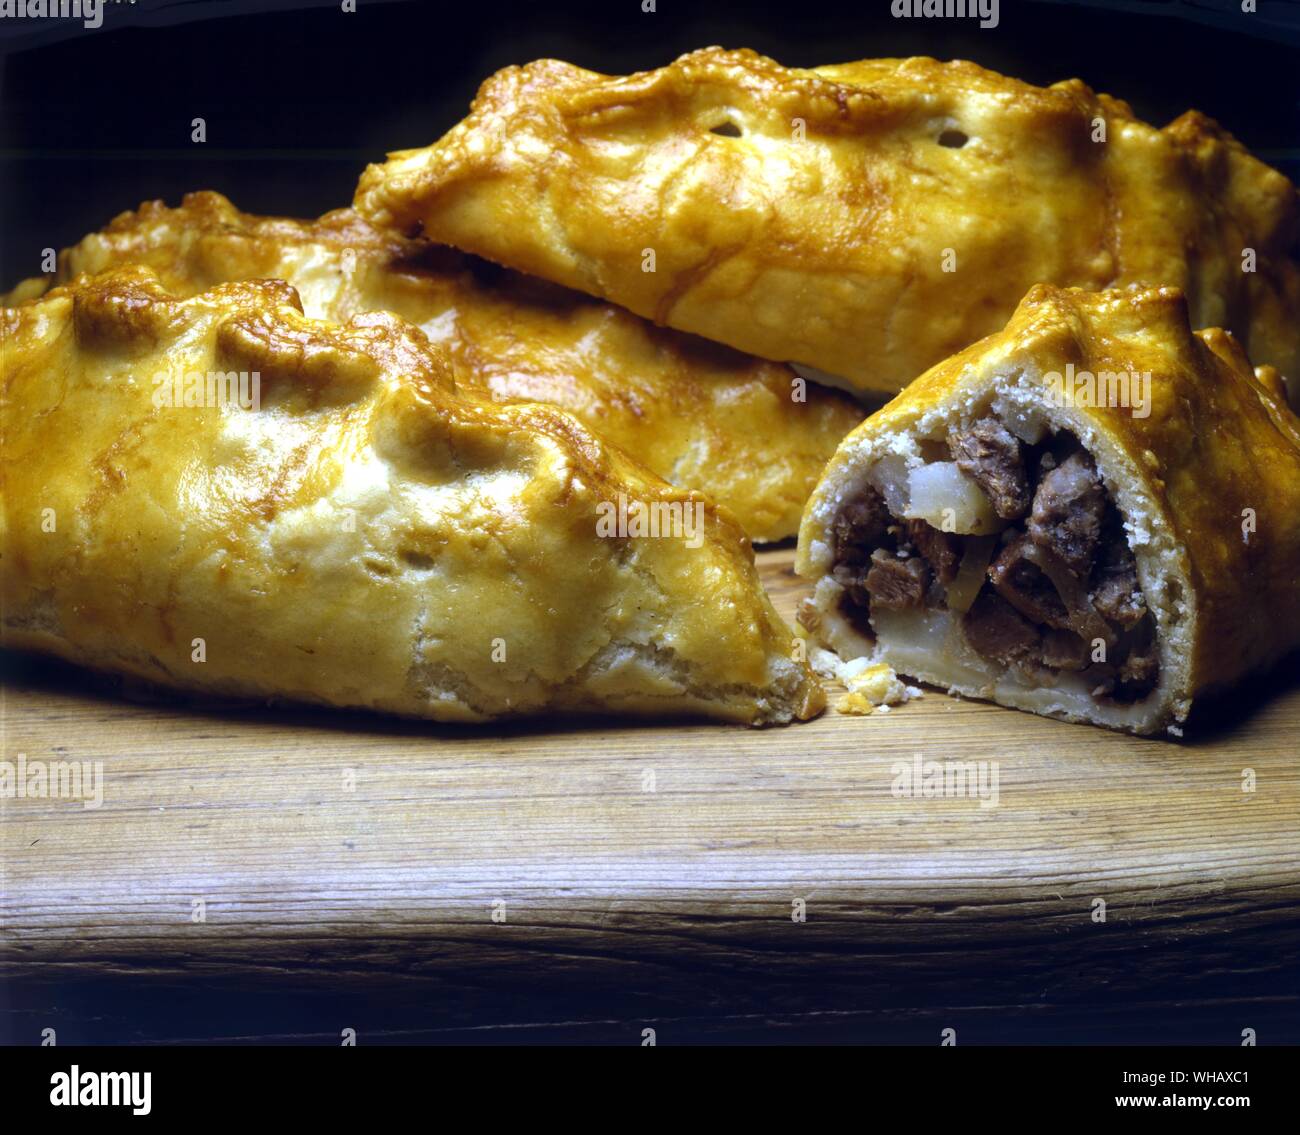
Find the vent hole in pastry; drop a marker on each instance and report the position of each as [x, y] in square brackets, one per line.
[954, 139]
[727, 129]
[416, 559]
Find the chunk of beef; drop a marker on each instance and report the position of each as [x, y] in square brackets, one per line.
[897, 582]
[992, 457]
[1115, 590]
[1068, 510]
[1064, 650]
[859, 528]
[997, 631]
[1023, 585]
[941, 550]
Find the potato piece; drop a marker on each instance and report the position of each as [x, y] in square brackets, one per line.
[889, 477]
[929, 645]
[942, 495]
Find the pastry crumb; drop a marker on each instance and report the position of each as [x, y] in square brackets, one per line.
[824, 663]
[872, 688]
[854, 704]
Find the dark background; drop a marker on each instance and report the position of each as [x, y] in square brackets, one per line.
[299, 96]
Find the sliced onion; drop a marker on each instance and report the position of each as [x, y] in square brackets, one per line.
[970, 574]
[1082, 616]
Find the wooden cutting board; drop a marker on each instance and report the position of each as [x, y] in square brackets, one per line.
[591, 880]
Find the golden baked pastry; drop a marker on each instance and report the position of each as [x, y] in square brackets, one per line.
[1091, 515]
[745, 431]
[865, 219]
[351, 529]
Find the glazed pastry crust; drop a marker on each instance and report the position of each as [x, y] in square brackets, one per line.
[701, 415]
[368, 537]
[818, 225]
[1219, 448]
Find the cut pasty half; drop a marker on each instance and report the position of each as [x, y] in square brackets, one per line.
[865, 219]
[1091, 515]
[220, 494]
[747, 432]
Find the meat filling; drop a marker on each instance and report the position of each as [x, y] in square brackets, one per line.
[1022, 584]
[1116, 594]
[1068, 507]
[859, 528]
[1061, 592]
[1064, 650]
[941, 550]
[896, 582]
[1001, 633]
[992, 457]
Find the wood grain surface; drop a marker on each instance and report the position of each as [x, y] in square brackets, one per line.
[588, 880]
